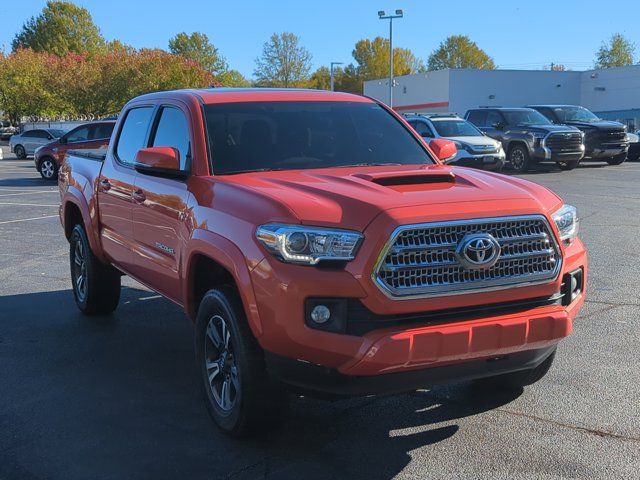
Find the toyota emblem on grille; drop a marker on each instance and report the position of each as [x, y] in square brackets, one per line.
[478, 251]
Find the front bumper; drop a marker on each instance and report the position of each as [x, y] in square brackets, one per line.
[605, 152]
[281, 291]
[487, 161]
[545, 154]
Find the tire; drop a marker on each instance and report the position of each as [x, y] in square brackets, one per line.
[517, 380]
[570, 165]
[617, 160]
[227, 353]
[48, 168]
[96, 286]
[20, 152]
[519, 159]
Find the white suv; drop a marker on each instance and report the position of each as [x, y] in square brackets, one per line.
[475, 149]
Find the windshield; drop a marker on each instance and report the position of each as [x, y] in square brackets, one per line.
[525, 117]
[56, 133]
[574, 114]
[253, 136]
[455, 128]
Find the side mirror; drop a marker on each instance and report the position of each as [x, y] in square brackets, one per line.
[160, 161]
[444, 149]
[498, 125]
[62, 140]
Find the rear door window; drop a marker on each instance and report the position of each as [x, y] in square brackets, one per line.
[133, 135]
[478, 118]
[102, 131]
[79, 134]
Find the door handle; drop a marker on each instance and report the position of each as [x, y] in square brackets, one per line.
[139, 196]
[104, 185]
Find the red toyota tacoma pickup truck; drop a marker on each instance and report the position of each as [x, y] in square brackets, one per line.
[319, 245]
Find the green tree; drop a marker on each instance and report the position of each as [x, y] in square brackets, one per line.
[232, 78]
[197, 47]
[372, 57]
[459, 51]
[62, 27]
[617, 52]
[283, 63]
[23, 89]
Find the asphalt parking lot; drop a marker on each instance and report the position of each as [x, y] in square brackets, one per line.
[119, 397]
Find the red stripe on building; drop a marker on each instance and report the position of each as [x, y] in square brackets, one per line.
[422, 105]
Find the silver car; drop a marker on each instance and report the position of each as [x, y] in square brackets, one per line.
[26, 142]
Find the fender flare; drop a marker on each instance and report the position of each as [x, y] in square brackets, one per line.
[75, 197]
[228, 255]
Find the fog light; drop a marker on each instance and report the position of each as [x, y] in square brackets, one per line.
[320, 314]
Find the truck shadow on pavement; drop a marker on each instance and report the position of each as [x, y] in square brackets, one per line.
[119, 397]
[26, 182]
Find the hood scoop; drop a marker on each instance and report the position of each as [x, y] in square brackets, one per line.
[408, 177]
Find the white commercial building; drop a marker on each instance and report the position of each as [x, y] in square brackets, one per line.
[612, 93]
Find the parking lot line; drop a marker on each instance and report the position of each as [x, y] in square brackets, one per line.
[30, 204]
[27, 219]
[27, 193]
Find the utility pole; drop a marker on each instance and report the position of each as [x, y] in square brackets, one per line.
[383, 16]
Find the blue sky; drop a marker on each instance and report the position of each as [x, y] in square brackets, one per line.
[516, 34]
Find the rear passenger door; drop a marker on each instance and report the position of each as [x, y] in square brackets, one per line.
[159, 214]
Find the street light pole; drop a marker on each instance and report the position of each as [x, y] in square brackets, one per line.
[383, 16]
[331, 74]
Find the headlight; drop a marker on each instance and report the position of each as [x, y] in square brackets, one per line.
[308, 245]
[566, 220]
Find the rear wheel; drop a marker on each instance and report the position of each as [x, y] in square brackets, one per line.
[617, 160]
[570, 165]
[48, 168]
[20, 152]
[519, 158]
[96, 286]
[238, 393]
[516, 380]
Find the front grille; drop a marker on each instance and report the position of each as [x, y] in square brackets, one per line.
[422, 260]
[607, 138]
[564, 142]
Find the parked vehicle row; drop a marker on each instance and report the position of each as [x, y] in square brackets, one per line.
[562, 134]
[319, 245]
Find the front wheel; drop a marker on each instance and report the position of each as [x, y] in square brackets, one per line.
[238, 393]
[617, 160]
[516, 380]
[519, 158]
[48, 168]
[96, 286]
[20, 152]
[570, 165]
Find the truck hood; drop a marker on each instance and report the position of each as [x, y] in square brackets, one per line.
[544, 128]
[353, 197]
[600, 125]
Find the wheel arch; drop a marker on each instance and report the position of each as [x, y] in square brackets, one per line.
[74, 211]
[212, 261]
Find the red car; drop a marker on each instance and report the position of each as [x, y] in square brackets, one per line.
[49, 157]
[320, 245]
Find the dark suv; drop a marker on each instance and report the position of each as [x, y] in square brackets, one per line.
[604, 140]
[529, 137]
